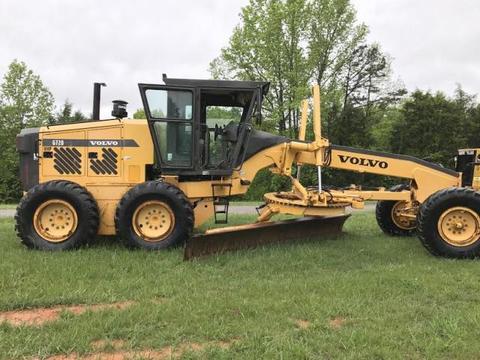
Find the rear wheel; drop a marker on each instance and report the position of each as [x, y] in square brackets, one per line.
[154, 215]
[57, 215]
[390, 215]
[449, 223]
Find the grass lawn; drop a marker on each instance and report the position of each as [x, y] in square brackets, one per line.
[246, 203]
[8, 206]
[362, 295]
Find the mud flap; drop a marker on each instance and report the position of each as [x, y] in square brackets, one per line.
[231, 238]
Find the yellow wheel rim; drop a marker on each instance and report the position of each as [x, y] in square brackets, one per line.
[403, 222]
[459, 226]
[55, 220]
[153, 221]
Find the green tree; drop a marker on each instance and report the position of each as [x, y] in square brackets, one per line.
[268, 46]
[469, 127]
[66, 115]
[385, 123]
[139, 114]
[333, 36]
[24, 102]
[367, 93]
[431, 127]
[25, 97]
[366, 79]
[294, 43]
[220, 112]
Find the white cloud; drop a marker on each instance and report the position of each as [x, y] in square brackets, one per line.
[434, 43]
[71, 44]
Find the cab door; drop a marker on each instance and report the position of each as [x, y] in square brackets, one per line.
[170, 114]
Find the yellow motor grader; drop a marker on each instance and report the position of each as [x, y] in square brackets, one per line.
[152, 182]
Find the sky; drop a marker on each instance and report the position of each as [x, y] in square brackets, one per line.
[434, 44]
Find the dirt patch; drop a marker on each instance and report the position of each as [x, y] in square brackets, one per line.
[166, 352]
[42, 315]
[302, 324]
[337, 322]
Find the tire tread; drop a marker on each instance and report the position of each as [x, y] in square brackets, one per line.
[83, 195]
[383, 215]
[155, 186]
[426, 209]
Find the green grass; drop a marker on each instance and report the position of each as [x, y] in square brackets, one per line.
[246, 203]
[397, 300]
[8, 206]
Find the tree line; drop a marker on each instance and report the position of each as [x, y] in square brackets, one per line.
[24, 102]
[293, 44]
[298, 43]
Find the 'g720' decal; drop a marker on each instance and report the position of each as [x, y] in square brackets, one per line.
[363, 162]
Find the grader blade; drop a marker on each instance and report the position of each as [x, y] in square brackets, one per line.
[231, 238]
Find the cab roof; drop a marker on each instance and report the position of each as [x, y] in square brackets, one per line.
[218, 84]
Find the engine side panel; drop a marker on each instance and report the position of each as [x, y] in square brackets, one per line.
[106, 157]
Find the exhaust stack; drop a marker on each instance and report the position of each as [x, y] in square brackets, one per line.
[96, 100]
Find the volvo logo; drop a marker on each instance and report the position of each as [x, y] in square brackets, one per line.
[363, 162]
[103, 143]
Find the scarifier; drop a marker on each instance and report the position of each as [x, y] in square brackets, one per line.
[152, 182]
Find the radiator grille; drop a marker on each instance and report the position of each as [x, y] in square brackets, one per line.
[67, 160]
[107, 165]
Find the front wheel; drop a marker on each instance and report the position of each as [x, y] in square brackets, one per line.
[449, 223]
[390, 215]
[154, 215]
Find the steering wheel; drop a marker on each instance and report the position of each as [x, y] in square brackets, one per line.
[228, 132]
[217, 131]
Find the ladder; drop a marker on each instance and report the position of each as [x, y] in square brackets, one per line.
[221, 203]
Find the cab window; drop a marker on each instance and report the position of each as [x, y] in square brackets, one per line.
[171, 112]
[169, 104]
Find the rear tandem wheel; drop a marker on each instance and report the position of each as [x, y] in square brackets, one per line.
[57, 215]
[154, 215]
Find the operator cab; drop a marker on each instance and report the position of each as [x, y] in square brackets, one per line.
[468, 163]
[203, 128]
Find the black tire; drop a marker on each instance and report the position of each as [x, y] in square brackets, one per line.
[76, 196]
[430, 214]
[165, 193]
[383, 213]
